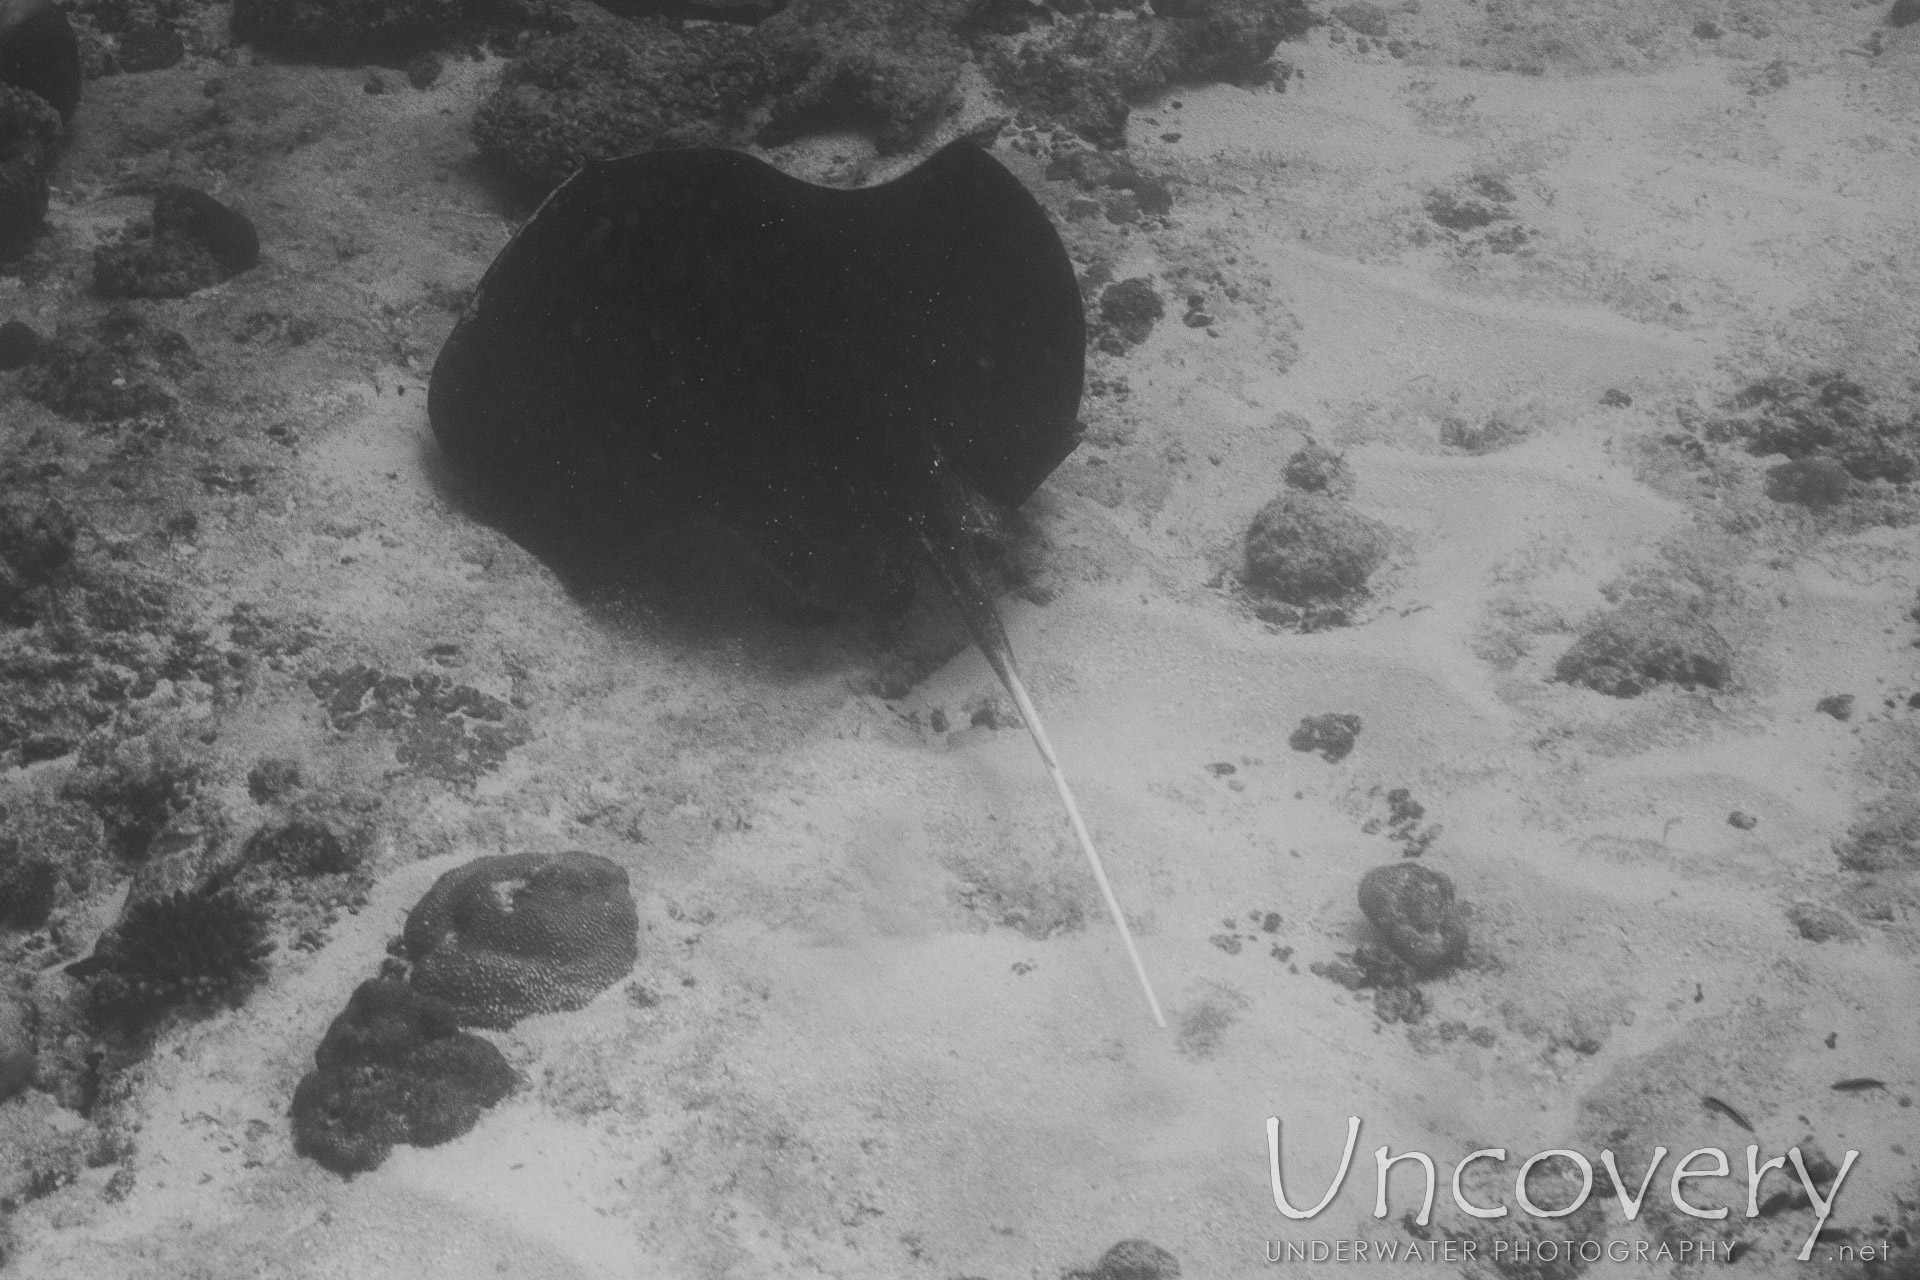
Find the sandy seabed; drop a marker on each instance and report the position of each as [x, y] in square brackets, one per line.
[879, 1026]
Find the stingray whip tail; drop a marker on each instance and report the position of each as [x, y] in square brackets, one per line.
[961, 576]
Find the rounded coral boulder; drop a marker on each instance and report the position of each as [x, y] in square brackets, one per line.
[514, 934]
[1414, 907]
[393, 1069]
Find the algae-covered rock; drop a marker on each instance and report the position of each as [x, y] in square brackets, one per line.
[614, 88]
[882, 65]
[1309, 548]
[119, 366]
[1644, 642]
[1332, 735]
[390, 31]
[1413, 907]
[30, 134]
[192, 242]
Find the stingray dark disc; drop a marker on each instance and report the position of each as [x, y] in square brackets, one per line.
[689, 336]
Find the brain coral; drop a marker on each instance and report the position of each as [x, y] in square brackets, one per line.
[394, 1067]
[506, 936]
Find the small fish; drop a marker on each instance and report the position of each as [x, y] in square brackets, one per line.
[1714, 1104]
[1857, 1084]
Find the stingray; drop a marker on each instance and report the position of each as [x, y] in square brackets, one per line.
[852, 384]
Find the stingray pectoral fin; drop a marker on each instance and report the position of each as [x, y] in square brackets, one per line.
[954, 565]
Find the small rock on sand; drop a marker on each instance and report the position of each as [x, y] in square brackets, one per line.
[1821, 924]
[1413, 907]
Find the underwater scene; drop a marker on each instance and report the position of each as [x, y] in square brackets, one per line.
[959, 639]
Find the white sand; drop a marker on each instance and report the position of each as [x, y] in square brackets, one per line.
[848, 1074]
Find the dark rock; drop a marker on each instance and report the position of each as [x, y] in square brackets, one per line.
[1089, 169]
[393, 1068]
[1904, 13]
[1399, 1004]
[1006, 17]
[353, 30]
[303, 848]
[1083, 73]
[1137, 1260]
[1314, 468]
[1626, 651]
[423, 71]
[38, 53]
[1492, 187]
[1457, 213]
[1811, 482]
[273, 778]
[1343, 972]
[507, 936]
[745, 12]
[1229, 39]
[886, 66]
[1154, 196]
[193, 241]
[1130, 308]
[1489, 434]
[120, 366]
[616, 88]
[143, 265]
[137, 797]
[92, 639]
[1885, 838]
[1837, 705]
[1381, 968]
[29, 886]
[1403, 810]
[36, 548]
[1614, 398]
[1310, 548]
[36, 747]
[1744, 821]
[149, 48]
[30, 133]
[1824, 415]
[1821, 924]
[1413, 907]
[18, 1062]
[1367, 19]
[20, 344]
[1332, 735]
